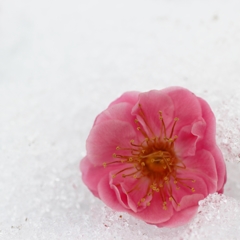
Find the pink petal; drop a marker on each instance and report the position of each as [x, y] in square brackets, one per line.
[121, 196]
[135, 196]
[185, 212]
[151, 103]
[119, 111]
[155, 213]
[185, 145]
[186, 105]
[190, 200]
[202, 165]
[105, 137]
[108, 195]
[184, 190]
[221, 169]
[210, 133]
[130, 190]
[117, 182]
[210, 144]
[180, 218]
[91, 174]
[127, 97]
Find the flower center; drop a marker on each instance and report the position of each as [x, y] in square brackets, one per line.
[155, 159]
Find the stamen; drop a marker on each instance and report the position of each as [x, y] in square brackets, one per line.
[135, 145]
[109, 163]
[130, 174]
[172, 198]
[164, 205]
[187, 186]
[142, 114]
[163, 125]
[174, 124]
[130, 149]
[114, 175]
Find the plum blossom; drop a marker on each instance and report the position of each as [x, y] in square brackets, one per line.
[154, 155]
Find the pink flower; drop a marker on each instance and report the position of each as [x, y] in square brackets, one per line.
[154, 155]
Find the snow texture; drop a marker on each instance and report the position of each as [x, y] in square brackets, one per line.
[62, 62]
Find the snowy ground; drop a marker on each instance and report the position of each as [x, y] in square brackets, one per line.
[62, 62]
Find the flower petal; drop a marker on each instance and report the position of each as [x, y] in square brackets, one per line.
[127, 97]
[202, 165]
[105, 137]
[151, 103]
[91, 174]
[210, 144]
[108, 195]
[186, 106]
[155, 213]
[189, 138]
[185, 145]
[119, 111]
[180, 218]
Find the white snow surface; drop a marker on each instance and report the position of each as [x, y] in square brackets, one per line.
[63, 62]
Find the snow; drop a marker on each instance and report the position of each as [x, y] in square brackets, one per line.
[62, 62]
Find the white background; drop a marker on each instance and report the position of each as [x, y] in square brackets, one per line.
[62, 62]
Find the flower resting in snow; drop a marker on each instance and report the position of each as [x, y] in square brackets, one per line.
[154, 155]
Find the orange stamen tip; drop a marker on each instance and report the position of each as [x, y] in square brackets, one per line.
[148, 204]
[104, 164]
[117, 148]
[114, 155]
[192, 189]
[164, 207]
[113, 176]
